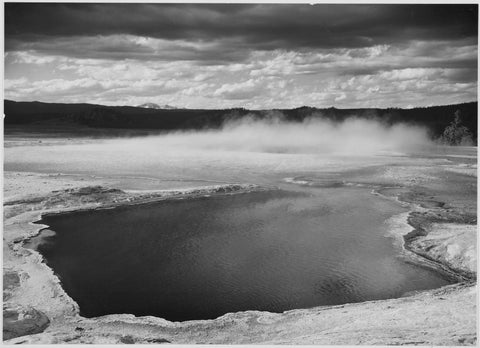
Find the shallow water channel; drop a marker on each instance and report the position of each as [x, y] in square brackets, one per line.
[200, 258]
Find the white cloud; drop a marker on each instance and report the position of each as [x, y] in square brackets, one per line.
[241, 90]
[410, 73]
[15, 83]
[342, 96]
[29, 57]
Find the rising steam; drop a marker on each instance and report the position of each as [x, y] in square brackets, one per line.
[248, 150]
[353, 136]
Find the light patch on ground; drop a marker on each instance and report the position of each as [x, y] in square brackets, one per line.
[408, 175]
[466, 169]
[453, 244]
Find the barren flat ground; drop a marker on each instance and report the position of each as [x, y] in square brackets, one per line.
[431, 223]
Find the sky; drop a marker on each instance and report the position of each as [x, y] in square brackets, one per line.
[257, 56]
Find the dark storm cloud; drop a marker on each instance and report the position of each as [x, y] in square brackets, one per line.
[469, 65]
[243, 26]
[119, 47]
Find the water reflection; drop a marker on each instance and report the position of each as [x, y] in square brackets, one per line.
[201, 258]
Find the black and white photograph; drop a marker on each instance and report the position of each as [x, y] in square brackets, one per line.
[240, 173]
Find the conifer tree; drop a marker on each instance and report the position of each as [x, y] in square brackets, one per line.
[456, 133]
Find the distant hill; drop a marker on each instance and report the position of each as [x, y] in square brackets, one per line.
[435, 118]
[156, 106]
[149, 106]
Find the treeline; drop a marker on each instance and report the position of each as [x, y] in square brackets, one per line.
[436, 118]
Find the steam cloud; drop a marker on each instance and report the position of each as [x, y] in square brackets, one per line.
[274, 135]
[248, 150]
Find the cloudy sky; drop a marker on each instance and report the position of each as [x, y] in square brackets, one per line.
[253, 56]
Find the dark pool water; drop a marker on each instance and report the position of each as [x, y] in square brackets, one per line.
[201, 258]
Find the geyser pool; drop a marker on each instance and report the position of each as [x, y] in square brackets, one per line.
[203, 257]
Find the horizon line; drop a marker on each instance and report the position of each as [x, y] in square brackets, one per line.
[240, 107]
